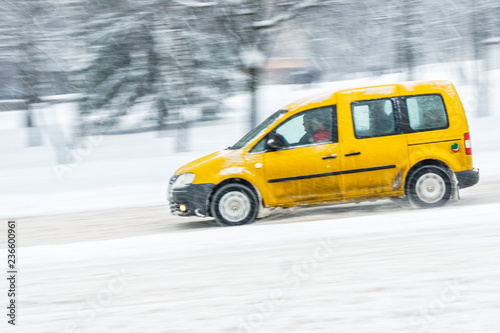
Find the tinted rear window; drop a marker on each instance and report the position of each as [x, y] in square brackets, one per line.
[426, 112]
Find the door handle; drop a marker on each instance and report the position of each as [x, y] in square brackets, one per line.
[353, 154]
[329, 157]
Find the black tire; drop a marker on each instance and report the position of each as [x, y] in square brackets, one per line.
[429, 186]
[234, 204]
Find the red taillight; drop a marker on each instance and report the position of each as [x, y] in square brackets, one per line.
[468, 145]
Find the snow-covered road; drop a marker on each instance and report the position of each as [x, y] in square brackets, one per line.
[108, 224]
[372, 267]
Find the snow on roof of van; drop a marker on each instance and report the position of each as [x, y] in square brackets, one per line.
[374, 90]
[313, 100]
[330, 97]
[411, 85]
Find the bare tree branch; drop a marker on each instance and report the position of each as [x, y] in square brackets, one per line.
[289, 14]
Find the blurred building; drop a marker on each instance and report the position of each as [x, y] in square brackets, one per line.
[288, 71]
[290, 60]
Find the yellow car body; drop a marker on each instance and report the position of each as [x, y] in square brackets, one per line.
[380, 138]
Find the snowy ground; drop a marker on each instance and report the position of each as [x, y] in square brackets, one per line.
[385, 270]
[116, 261]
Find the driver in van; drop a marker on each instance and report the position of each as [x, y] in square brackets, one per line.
[316, 125]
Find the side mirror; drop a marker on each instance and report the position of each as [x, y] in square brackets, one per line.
[275, 141]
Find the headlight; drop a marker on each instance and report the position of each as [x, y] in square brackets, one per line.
[184, 179]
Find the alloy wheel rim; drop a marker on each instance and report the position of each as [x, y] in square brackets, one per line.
[234, 206]
[430, 188]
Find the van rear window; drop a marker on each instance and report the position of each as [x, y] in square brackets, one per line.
[426, 112]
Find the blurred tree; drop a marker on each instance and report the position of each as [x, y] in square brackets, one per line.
[180, 58]
[184, 55]
[349, 37]
[196, 70]
[121, 64]
[249, 27]
[150, 51]
[29, 38]
[484, 23]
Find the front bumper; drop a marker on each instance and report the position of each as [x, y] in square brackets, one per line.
[467, 178]
[193, 196]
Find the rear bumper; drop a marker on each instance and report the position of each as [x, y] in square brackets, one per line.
[467, 178]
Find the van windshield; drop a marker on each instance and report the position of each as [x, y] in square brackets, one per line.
[258, 130]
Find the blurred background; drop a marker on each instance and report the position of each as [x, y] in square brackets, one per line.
[78, 78]
[102, 100]
[157, 61]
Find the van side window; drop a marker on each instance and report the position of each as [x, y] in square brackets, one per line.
[373, 118]
[310, 127]
[316, 126]
[426, 112]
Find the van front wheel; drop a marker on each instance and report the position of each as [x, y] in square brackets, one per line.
[234, 204]
[429, 186]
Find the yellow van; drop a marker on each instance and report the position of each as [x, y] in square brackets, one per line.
[407, 140]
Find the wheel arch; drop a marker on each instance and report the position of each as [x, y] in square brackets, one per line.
[427, 162]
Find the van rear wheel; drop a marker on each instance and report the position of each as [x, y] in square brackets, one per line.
[234, 204]
[429, 186]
